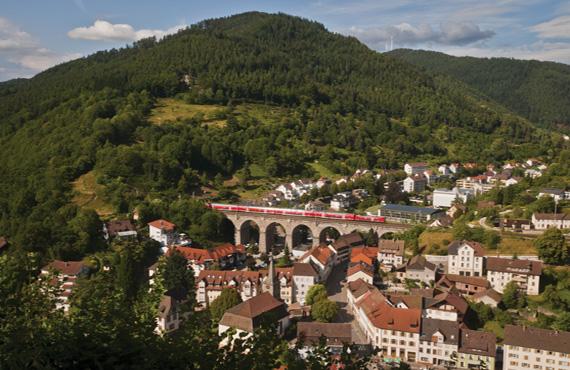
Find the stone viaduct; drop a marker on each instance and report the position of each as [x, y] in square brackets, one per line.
[266, 225]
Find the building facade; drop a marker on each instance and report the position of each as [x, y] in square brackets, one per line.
[501, 271]
[466, 258]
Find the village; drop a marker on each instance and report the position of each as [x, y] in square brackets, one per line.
[397, 304]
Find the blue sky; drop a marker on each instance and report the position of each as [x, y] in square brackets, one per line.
[37, 34]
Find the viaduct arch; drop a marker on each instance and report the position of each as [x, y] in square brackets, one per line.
[316, 226]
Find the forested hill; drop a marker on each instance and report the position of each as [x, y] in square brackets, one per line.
[539, 91]
[340, 104]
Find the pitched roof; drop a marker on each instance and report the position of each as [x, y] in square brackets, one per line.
[249, 314]
[361, 258]
[447, 298]
[335, 333]
[360, 267]
[216, 277]
[359, 287]
[391, 246]
[304, 269]
[491, 293]
[201, 255]
[449, 330]
[478, 343]
[384, 316]
[454, 246]
[470, 280]
[66, 267]
[116, 226]
[544, 339]
[370, 252]
[419, 262]
[322, 253]
[525, 267]
[163, 225]
[551, 216]
[411, 301]
[348, 240]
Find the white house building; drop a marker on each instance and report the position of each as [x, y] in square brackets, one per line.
[526, 273]
[415, 168]
[415, 184]
[527, 347]
[465, 258]
[543, 221]
[162, 231]
[444, 198]
[390, 253]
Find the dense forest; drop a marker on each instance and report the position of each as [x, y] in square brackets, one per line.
[539, 91]
[347, 106]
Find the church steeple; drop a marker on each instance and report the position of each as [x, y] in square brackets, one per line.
[271, 283]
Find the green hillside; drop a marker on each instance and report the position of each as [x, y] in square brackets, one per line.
[283, 93]
[539, 91]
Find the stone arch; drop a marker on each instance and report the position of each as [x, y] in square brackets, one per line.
[302, 234]
[276, 237]
[329, 232]
[249, 232]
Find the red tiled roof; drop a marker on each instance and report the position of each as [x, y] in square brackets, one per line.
[360, 267]
[470, 280]
[322, 254]
[456, 244]
[391, 246]
[66, 267]
[371, 252]
[361, 258]
[387, 317]
[201, 255]
[163, 225]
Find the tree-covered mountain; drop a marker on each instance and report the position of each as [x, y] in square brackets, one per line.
[345, 106]
[539, 91]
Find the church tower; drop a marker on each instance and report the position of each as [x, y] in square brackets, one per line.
[271, 282]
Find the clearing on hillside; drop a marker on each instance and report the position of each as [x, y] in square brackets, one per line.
[88, 194]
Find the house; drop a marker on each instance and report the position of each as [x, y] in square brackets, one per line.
[528, 347]
[274, 198]
[170, 311]
[465, 258]
[407, 214]
[316, 205]
[444, 221]
[394, 331]
[163, 232]
[490, 297]
[415, 168]
[438, 340]
[515, 224]
[430, 177]
[360, 270]
[322, 182]
[467, 285]
[289, 193]
[343, 246]
[556, 194]
[455, 168]
[444, 170]
[415, 184]
[532, 173]
[66, 274]
[526, 273]
[444, 198]
[304, 277]
[224, 256]
[477, 350]
[119, 229]
[250, 315]
[336, 334]
[343, 201]
[390, 253]
[417, 268]
[446, 306]
[322, 258]
[542, 221]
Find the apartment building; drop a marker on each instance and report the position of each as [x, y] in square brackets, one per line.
[466, 258]
[501, 271]
[527, 348]
[390, 253]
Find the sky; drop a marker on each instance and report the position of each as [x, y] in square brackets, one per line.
[37, 34]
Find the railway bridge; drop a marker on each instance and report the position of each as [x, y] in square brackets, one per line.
[264, 225]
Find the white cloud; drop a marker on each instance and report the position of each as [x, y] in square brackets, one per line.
[558, 27]
[106, 31]
[450, 33]
[22, 55]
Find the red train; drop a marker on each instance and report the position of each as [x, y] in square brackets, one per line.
[295, 212]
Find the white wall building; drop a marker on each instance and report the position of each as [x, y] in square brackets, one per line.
[501, 271]
[415, 168]
[444, 198]
[162, 231]
[543, 221]
[465, 258]
[537, 349]
[415, 184]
